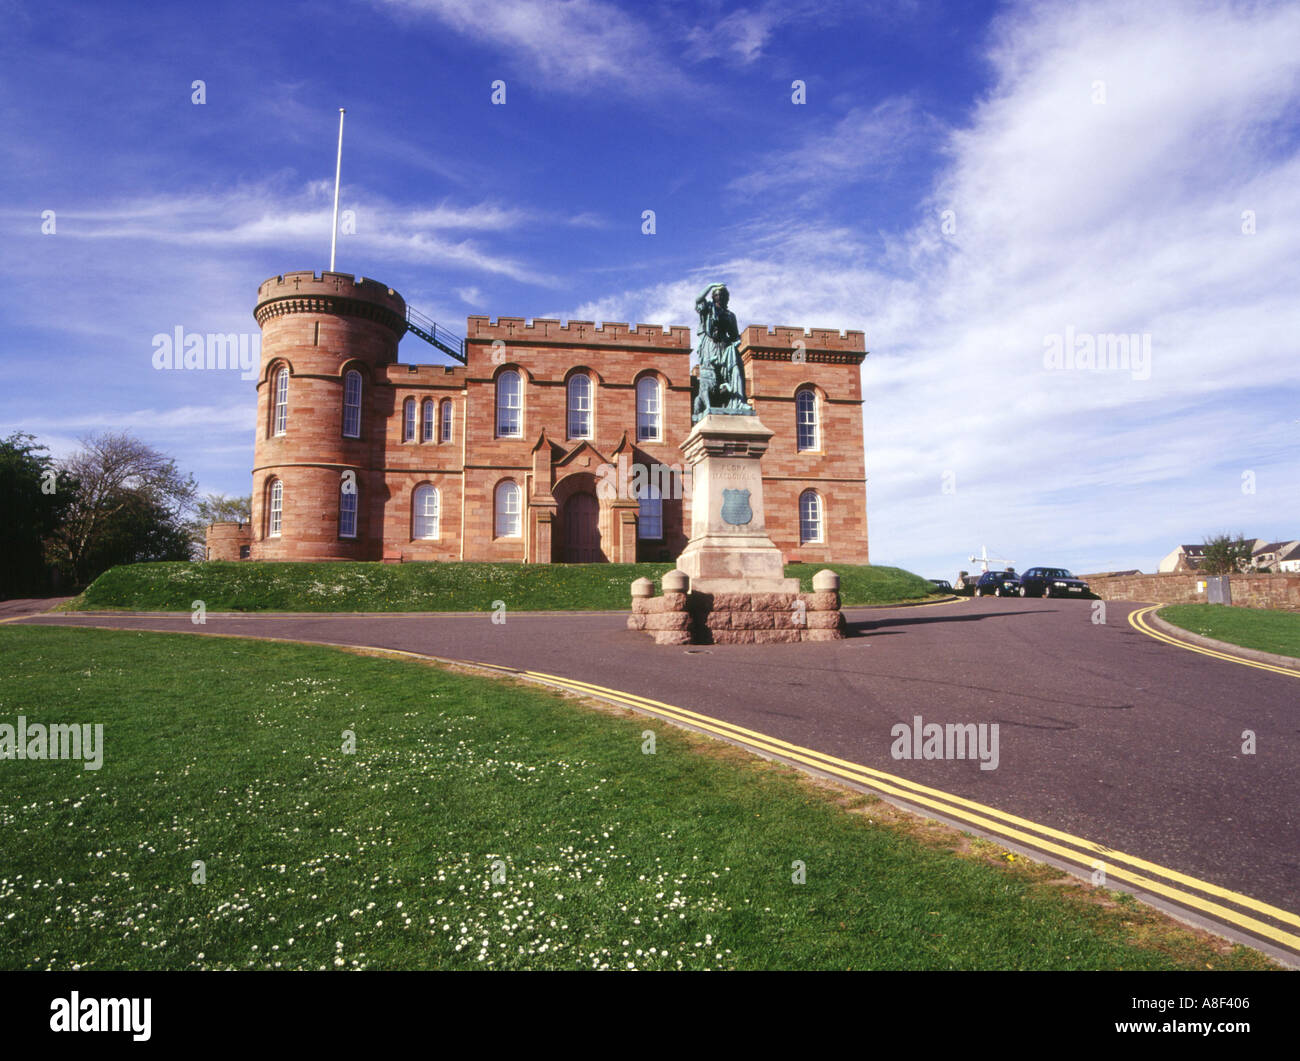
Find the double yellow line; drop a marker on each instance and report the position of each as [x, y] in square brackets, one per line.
[1179, 888]
[1138, 620]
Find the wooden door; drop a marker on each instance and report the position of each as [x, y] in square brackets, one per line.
[582, 530]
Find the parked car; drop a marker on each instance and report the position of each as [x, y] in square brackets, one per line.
[1051, 582]
[998, 584]
[942, 583]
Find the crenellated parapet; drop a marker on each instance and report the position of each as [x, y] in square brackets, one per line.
[827, 345]
[543, 331]
[335, 294]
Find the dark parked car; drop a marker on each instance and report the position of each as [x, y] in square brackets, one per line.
[998, 584]
[1051, 582]
[942, 583]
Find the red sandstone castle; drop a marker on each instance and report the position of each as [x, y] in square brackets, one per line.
[538, 442]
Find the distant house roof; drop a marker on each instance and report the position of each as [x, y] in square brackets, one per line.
[1293, 553]
[1267, 547]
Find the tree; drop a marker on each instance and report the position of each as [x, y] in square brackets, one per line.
[1225, 555]
[33, 501]
[137, 531]
[216, 508]
[129, 501]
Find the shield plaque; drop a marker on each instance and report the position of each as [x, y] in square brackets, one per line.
[735, 507]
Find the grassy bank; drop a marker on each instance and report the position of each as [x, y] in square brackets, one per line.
[477, 824]
[1258, 628]
[434, 587]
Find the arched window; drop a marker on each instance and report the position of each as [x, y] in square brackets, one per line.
[805, 404]
[810, 517]
[648, 425]
[280, 417]
[445, 430]
[408, 420]
[650, 517]
[508, 522]
[424, 512]
[275, 510]
[510, 403]
[580, 406]
[426, 421]
[352, 405]
[348, 508]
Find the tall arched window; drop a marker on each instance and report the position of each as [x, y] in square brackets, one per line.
[280, 417]
[810, 517]
[426, 421]
[648, 425]
[508, 521]
[580, 406]
[352, 405]
[805, 404]
[408, 420]
[275, 510]
[424, 512]
[444, 433]
[510, 402]
[348, 508]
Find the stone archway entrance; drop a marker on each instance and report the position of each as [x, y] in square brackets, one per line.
[581, 520]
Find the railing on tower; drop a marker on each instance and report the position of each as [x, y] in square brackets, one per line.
[436, 335]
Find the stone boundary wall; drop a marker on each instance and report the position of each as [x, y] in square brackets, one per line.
[1249, 591]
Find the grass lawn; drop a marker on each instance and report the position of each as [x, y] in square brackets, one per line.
[433, 587]
[1259, 628]
[478, 824]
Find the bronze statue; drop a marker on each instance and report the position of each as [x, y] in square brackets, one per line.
[722, 377]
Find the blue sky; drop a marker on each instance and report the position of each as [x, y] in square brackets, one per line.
[964, 182]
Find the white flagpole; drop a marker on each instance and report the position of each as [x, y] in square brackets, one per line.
[338, 171]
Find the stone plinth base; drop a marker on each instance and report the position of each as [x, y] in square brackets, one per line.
[740, 617]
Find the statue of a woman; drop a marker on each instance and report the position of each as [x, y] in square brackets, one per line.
[722, 377]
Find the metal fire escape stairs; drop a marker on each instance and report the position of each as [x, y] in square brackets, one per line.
[435, 335]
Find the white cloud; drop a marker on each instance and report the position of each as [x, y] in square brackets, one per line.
[258, 216]
[867, 141]
[570, 45]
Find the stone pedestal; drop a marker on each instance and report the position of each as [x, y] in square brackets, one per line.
[729, 550]
[730, 586]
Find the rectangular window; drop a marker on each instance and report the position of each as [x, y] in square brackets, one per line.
[806, 405]
[650, 523]
[509, 405]
[647, 411]
[348, 513]
[580, 407]
[508, 520]
[810, 518]
[281, 401]
[446, 421]
[352, 405]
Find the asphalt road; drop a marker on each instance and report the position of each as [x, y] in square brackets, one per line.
[1103, 732]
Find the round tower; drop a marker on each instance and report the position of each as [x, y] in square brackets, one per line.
[320, 429]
